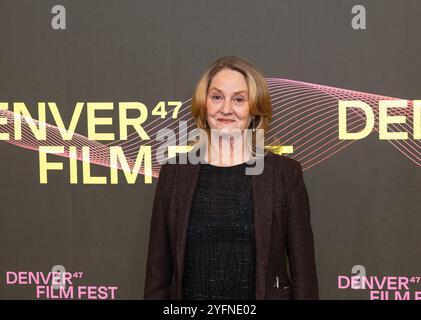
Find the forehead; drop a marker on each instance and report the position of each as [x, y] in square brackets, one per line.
[228, 81]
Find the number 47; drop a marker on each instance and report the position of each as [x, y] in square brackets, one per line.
[159, 109]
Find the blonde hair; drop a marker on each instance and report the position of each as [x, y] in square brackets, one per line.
[260, 105]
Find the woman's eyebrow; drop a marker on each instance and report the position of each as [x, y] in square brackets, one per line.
[215, 88]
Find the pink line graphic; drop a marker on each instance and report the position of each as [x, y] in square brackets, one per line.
[305, 116]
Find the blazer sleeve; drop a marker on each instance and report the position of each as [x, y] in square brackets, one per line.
[159, 262]
[300, 245]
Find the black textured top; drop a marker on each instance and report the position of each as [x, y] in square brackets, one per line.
[220, 244]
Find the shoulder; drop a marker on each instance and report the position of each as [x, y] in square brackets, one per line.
[168, 168]
[281, 161]
[178, 163]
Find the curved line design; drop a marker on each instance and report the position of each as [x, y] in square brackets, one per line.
[305, 116]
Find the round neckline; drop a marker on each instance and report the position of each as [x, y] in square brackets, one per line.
[224, 167]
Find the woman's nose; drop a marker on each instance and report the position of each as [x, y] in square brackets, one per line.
[226, 107]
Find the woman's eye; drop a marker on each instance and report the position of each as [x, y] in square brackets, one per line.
[239, 99]
[216, 97]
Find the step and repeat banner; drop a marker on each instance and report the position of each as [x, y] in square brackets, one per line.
[86, 88]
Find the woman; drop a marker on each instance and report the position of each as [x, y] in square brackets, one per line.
[217, 232]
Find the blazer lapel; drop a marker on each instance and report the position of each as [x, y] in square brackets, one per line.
[188, 176]
[262, 188]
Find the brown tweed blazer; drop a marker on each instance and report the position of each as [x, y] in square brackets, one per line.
[285, 260]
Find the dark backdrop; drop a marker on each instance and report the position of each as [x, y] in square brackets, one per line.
[364, 200]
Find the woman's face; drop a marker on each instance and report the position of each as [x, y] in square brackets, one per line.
[227, 101]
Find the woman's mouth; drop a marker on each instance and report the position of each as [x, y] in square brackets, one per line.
[226, 121]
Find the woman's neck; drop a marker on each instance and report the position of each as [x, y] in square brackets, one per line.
[227, 153]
